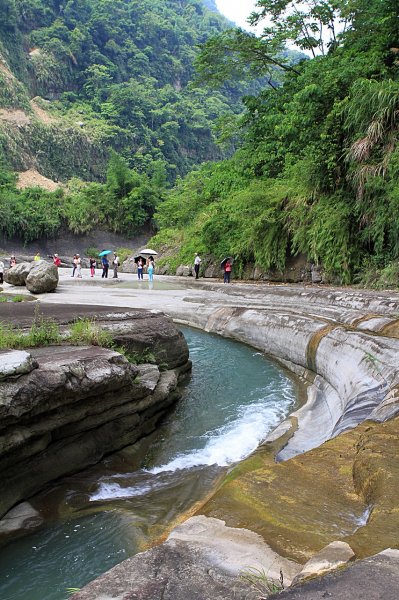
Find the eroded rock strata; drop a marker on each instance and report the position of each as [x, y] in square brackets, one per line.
[344, 344]
[62, 408]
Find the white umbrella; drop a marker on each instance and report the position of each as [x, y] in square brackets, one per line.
[148, 251]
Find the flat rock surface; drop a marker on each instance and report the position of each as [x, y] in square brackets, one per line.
[374, 578]
[23, 313]
[175, 570]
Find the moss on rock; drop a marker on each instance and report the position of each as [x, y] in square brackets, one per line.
[344, 490]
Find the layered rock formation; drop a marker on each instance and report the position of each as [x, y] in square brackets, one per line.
[63, 408]
[344, 346]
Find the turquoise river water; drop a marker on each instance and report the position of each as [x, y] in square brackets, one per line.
[103, 515]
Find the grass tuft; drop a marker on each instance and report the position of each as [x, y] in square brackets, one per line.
[86, 331]
[261, 582]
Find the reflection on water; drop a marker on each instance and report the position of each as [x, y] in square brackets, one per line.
[107, 513]
[149, 285]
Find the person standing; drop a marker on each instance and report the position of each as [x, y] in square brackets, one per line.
[1, 271]
[74, 265]
[93, 265]
[105, 264]
[227, 271]
[150, 269]
[13, 261]
[79, 266]
[140, 268]
[197, 262]
[56, 260]
[115, 264]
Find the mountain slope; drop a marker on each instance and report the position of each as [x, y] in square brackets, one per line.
[114, 74]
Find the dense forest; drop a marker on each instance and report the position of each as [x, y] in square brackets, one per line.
[99, 90]
[310, 166]
[318, 168]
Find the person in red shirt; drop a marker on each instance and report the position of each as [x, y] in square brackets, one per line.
[56, 260]
[227, 271]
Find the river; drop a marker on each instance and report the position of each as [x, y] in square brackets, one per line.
[105, 514]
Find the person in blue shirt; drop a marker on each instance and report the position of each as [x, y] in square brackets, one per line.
[105, 264]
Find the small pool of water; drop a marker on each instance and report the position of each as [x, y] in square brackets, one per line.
[116, 509]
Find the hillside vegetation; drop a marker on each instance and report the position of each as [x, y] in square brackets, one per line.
[113, 98]
[83, 79]
[318, 169]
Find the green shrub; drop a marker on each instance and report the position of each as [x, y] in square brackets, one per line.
[87, 332]
[92, 251]
[42, 333]
[124, 253]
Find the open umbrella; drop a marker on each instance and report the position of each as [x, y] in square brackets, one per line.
[224, 261]
[137, 258]
[148, 251]
[105, 252]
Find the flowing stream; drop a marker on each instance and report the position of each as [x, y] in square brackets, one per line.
[103, 515]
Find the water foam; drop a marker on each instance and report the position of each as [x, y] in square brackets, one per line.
[232, 442]
[113, 491]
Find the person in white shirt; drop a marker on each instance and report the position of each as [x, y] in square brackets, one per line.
[197, 262]
[115, 264]
[78, 266]
[1, 271]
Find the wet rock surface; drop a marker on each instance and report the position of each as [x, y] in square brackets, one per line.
[344, 490]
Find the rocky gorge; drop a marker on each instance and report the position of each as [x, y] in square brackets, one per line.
[326, 475]
[64, 407]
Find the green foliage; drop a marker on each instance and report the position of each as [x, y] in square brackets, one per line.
[123, 253]
[137, 358]
[318, 166]
[120, 72]
[261, 582]
[31, 213]
[378, 276]
[92, 251]
[13, 94]
[125, 203]
[88, 332]
[42, 333]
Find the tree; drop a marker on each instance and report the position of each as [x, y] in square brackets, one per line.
[237, 54]
[312, 25]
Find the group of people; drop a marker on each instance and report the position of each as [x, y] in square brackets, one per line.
[227, 266]
[150, 263]
[105, 265]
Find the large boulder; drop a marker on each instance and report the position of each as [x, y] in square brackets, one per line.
[129, 266]
[17, 275]
[42, 277]
[214, 271]
[184, 271]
